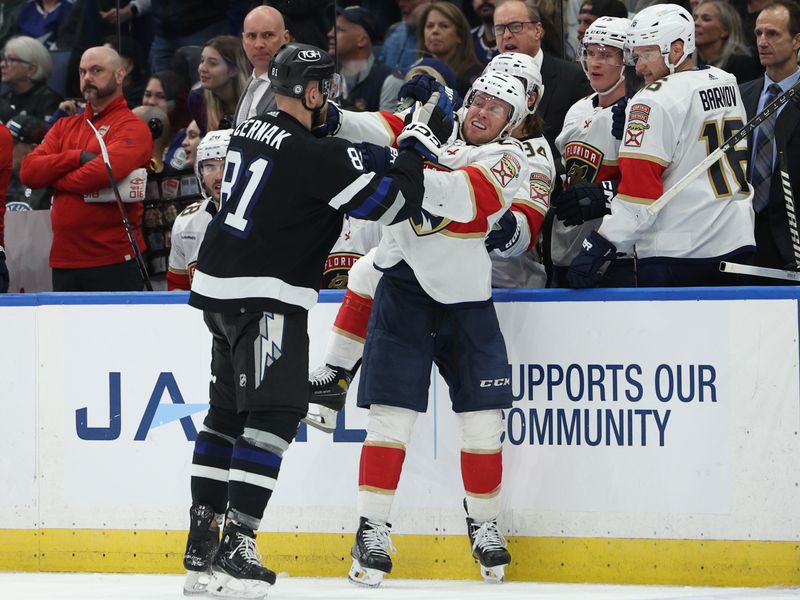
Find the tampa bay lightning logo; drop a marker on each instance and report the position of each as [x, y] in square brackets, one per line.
[424, 223]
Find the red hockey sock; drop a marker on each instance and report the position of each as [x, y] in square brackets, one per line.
[353, 315]
[482, 472]
[381, 464]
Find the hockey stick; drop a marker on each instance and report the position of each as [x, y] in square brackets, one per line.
[791, 214]
[717, 154]
[128, 229]
[728, 267]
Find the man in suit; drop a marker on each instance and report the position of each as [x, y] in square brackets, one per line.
[778, 41]
[518, 27]
[263, 32]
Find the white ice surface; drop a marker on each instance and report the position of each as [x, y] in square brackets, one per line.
[55, 586]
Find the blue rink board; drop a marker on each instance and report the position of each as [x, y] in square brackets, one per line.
[500, 295]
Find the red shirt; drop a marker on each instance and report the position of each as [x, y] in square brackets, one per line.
[89, 234]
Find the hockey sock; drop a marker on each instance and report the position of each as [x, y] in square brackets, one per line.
[210, 464]
[482, 462]
[346, 343]
[255, 465]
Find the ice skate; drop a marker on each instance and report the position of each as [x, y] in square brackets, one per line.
[200, 548]
[328, 387]
[237, 571]
[489, 549]
[370, 553]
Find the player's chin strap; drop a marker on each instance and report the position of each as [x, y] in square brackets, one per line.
[615, 86]
[672, 67]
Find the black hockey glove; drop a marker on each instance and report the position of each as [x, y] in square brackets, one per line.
[333, 121]
[584, 201]
[87, 156]
[420, 87]
[588, 268]
[428, 126]
[3, 273]
[376, 159]
[618, 117]
[504, 234]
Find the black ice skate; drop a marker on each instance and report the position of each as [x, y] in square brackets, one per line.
[200, 548]
[370, 553]
[237, 571]
[489, 549]
[328, 387]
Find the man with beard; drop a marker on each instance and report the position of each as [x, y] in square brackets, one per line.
[90, 250]
[483, 37]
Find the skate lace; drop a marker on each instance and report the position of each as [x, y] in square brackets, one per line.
[377, 539]
[488, 537]
[322, 375]
[248, 550]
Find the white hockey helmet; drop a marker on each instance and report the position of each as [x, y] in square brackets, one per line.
[504, 87]
[213, 146]
[606, 31]
[522, 66]
[660, 25]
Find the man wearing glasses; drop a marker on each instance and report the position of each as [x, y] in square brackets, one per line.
[518, 28]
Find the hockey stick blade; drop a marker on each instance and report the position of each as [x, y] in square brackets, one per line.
[739, 269]
[717, 154]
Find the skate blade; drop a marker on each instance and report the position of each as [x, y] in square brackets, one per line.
[222, 585]
[363, 576]
[493, 574]
[323, 419]
[195, 583]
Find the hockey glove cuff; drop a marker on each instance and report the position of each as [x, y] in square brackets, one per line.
[376, 159]
[585, 201]
[589, 266]
[4, 278]
[505, 234]
[332, 124]
[618, 117]
[428, 126]
[419, 88]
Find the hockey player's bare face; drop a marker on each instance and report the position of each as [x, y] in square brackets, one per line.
[650, 64]
[211, 171]
[602, 65]
[486, 117]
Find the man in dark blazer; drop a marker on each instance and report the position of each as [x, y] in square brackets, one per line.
[778, 41]
[564, 81]
[263, 32]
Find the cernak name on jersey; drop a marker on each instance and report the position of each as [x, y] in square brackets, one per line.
[262, 131]
[718, 97]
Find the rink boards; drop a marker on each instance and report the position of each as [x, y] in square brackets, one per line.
[653, 439]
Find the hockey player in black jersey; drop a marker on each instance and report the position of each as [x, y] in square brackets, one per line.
[284, 193]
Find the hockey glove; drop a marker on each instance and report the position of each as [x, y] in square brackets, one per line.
[332, 124]
[588, 268]
[504, 234]
[419, 88]
[428, 126]
[376, 159]
[584, 201]
[618, 117]
[3, 272]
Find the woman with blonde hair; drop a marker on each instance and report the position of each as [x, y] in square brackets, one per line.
[719, 40]
[444, 34]
[223, 71]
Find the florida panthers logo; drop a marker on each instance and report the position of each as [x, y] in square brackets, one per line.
[505, 170]
[634, 133]
[582, 162]
[425, 223]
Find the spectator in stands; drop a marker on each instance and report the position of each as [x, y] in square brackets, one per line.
[223, 74]
[778, 37]
[308, 21]
[720, 42]
[134, 61]
[90, 250]
[184, 23]
[518, 27]
[591, 10]
[8, 19]
[369, 85]
[483, 38]
[400, 42]
[189, 144]
[164, 90]
[158, 124]
[25, 67]
[27, 132]
[444, 34]
[748, 11]
[263, 32]
[40, 19]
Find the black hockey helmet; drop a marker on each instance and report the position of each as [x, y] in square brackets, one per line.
[294, 65]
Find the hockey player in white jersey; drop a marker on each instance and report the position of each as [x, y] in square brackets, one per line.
[190, 225]
[589, 146]
[511, 245]
[681, 115]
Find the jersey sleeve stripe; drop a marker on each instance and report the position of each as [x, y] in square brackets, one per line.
[641, 181]
[487, 195]
[369, 204]
[347, 194]
[394, 125]
[639, 157]
[235, 288]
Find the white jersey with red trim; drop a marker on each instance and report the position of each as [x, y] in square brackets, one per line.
[465, 195]
[358, 237]
[187, 235]
[589, 153]
[672, 124]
